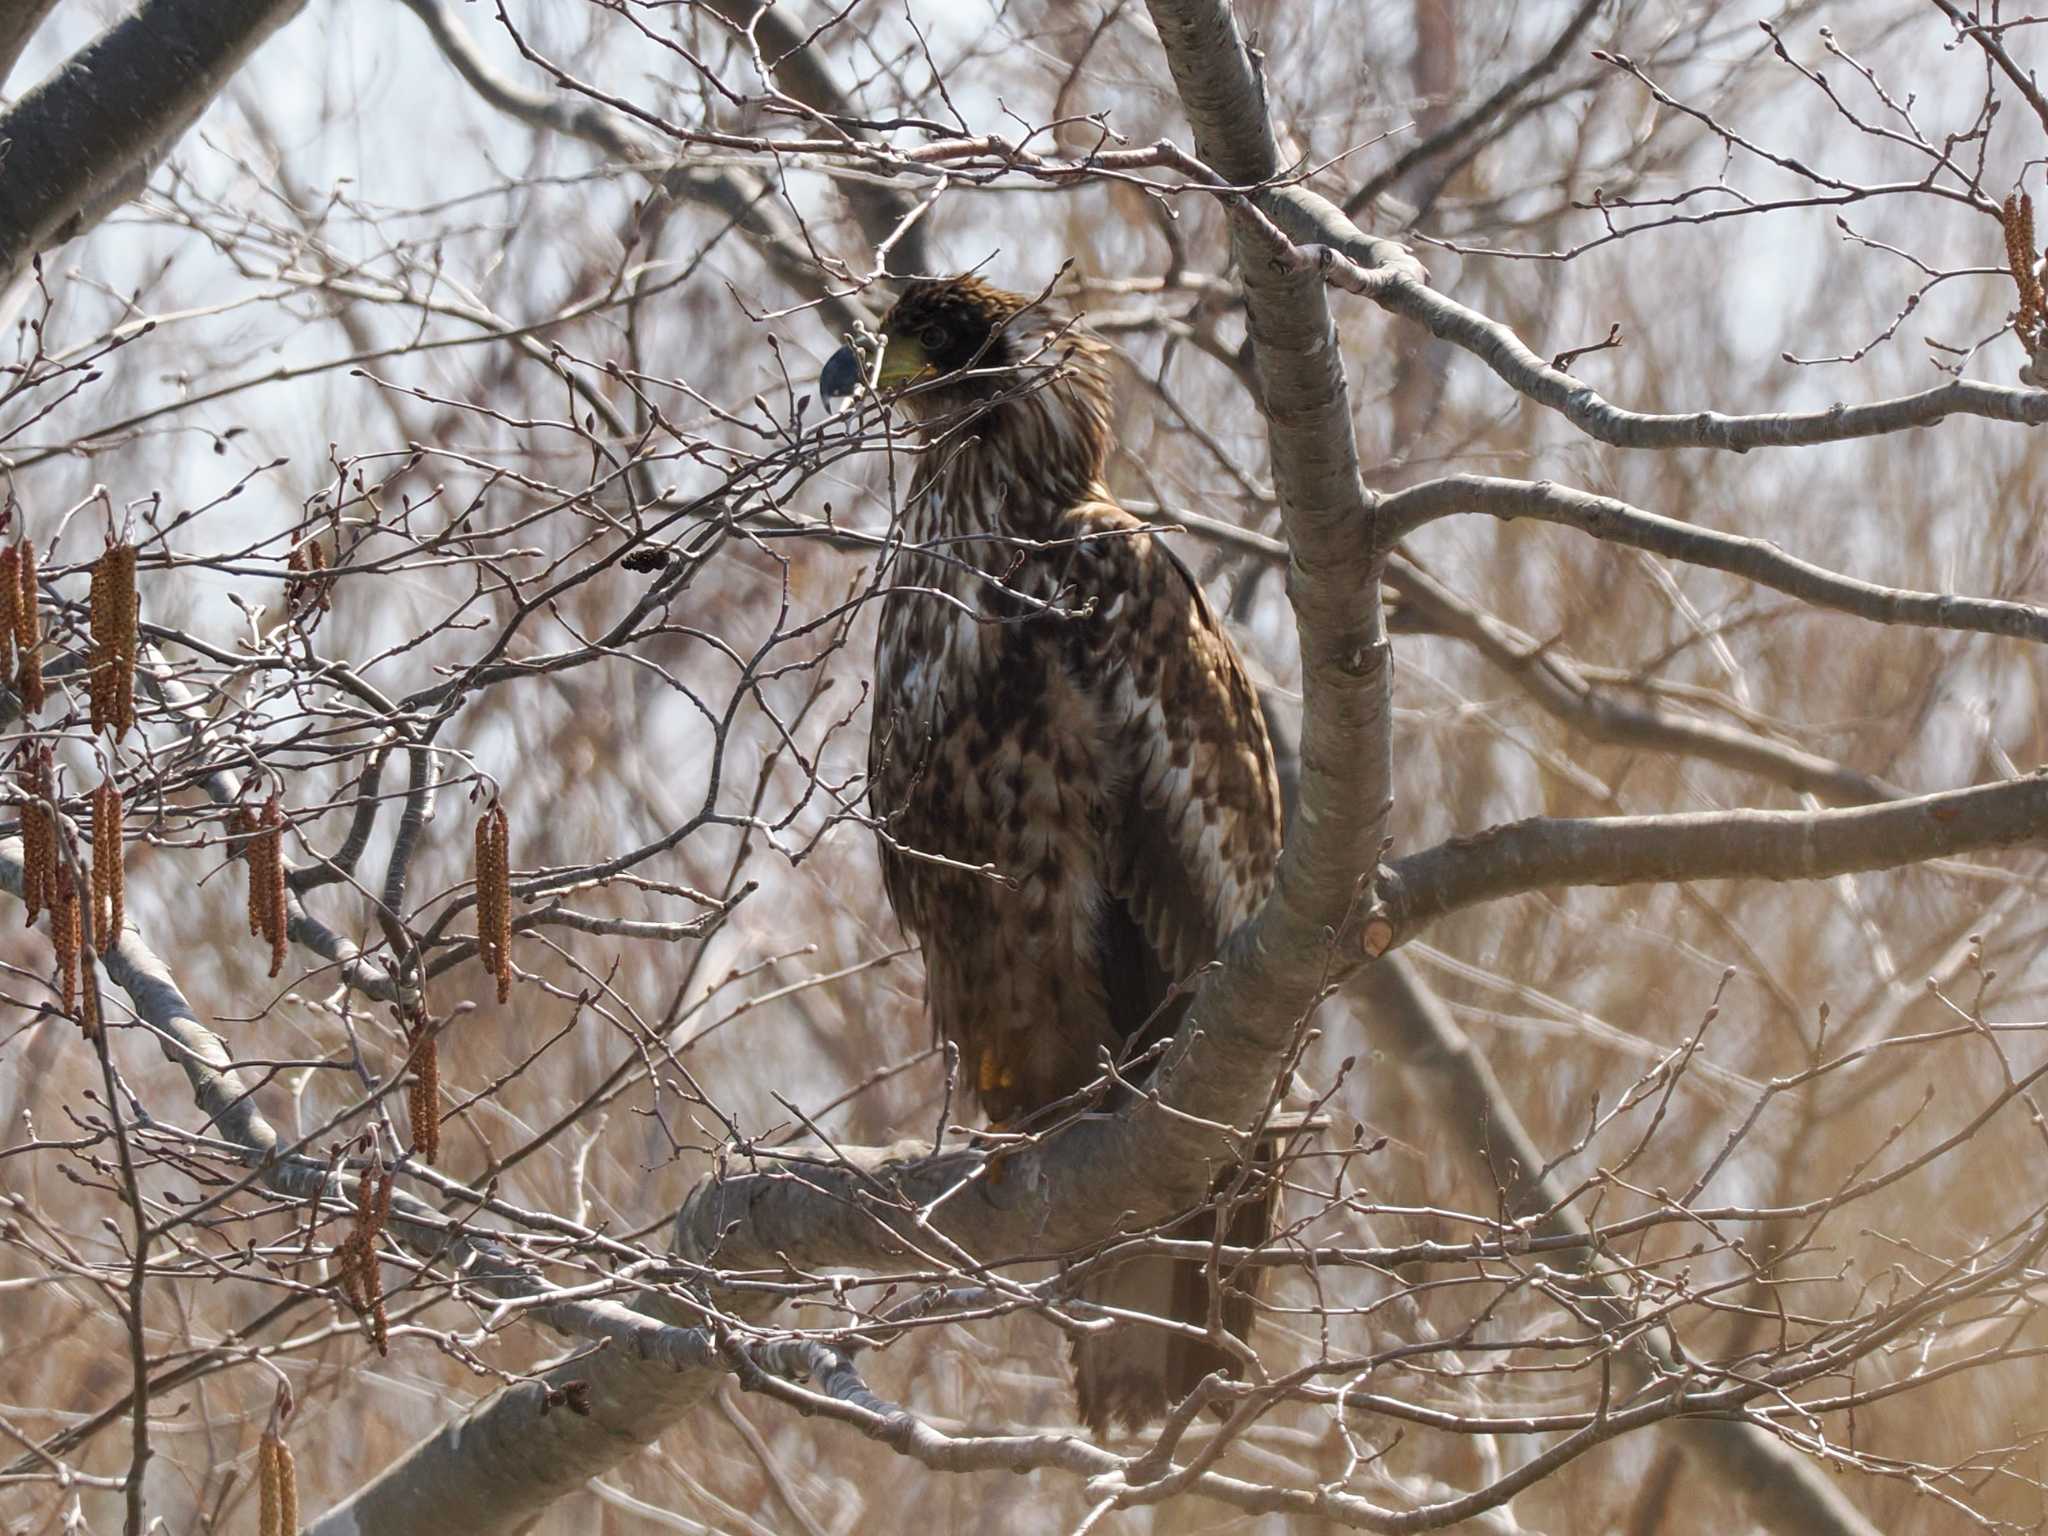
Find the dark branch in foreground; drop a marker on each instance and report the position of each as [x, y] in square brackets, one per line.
[85, 140]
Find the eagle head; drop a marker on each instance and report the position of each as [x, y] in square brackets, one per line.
[952, 337]
[1033, 380]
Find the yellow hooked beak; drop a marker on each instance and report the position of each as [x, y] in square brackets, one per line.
[903, 362]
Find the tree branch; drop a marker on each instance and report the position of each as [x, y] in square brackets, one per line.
[1496, 345]
[1789, 1490]
[18, 23]
[1454, 132]
[1336, 541]
[85, 140]
[1566, 693]
[1544, 851]
[888, 217]
[745, 200]
[1755, 559]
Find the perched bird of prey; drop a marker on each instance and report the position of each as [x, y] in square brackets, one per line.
[1055, 701]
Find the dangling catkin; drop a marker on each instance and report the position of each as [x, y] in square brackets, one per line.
[357, 1271]
[10, 603]
[88, 1002]
[109, 879]
[28, 634]
[66, 923]
[114, 608]
[423, 1103]
[494, 897]
[264, 854]
[39, 874]
[277, 1486]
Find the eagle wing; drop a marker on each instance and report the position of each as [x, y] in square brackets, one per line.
[1194, 833]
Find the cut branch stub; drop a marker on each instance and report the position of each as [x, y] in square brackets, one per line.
[111, 680]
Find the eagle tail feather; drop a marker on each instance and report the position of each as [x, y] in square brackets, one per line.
[1133, 1374]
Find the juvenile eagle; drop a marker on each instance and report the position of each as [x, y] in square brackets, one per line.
[1055, 700]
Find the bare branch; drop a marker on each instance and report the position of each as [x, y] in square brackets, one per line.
[85, 140]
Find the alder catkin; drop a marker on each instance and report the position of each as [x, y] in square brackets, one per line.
[114, 611]
[36, 775]
[277, 1486]
[287, 1490]
[10, 604]
[109, 879]
[269, 1487]
[28, 633]
[360, 1277]
[423, 1103]
[263, 852]
[65, 925]
[494, 897]
[2018, 219]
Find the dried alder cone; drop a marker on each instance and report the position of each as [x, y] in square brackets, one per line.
[111, 678]
[494, 897]
[264, 854]
[109, 879]
[308, 589]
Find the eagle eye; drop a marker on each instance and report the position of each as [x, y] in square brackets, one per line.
[934, 339]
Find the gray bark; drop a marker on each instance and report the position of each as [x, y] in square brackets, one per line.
[511, 1455]
[85, 141]
[18, 23]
